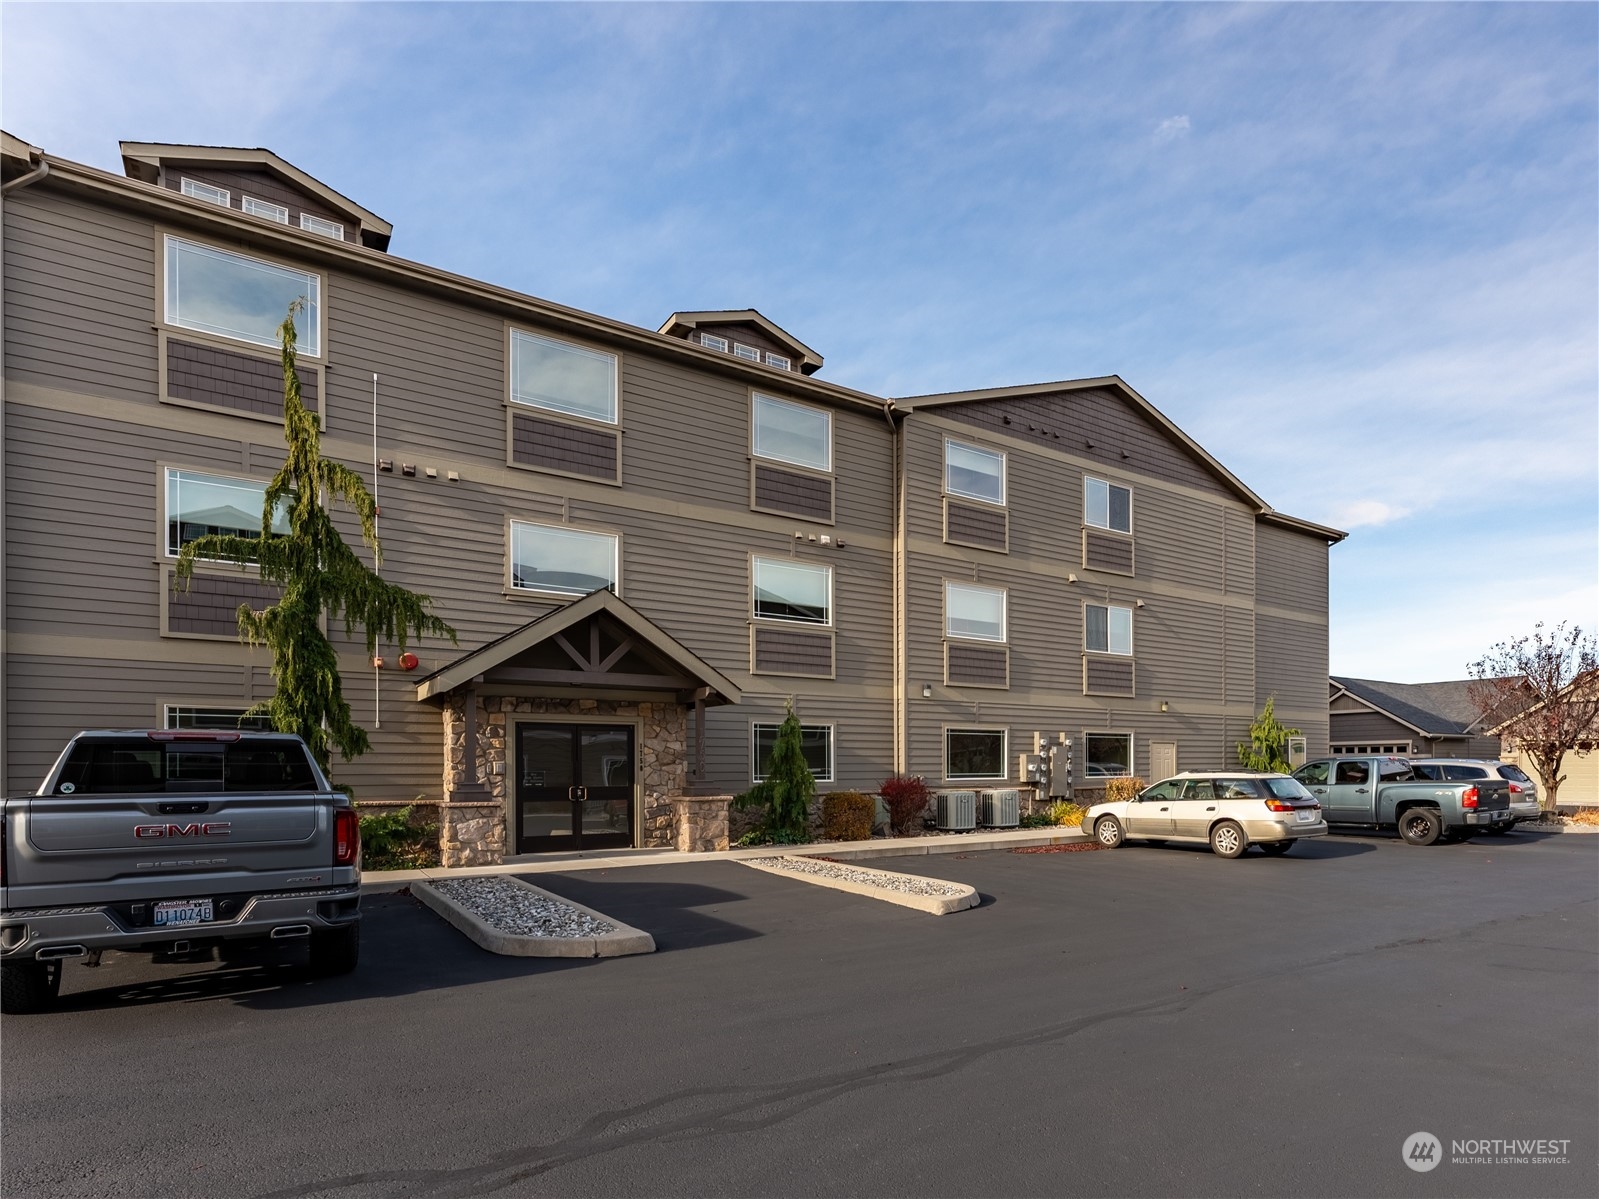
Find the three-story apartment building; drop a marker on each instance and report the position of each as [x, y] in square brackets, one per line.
[650, 542]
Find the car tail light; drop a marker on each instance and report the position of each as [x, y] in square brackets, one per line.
[346, 837]
[1281, 805]
[1468, 797]
[1515, 788]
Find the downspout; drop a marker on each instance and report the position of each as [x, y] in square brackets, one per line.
[901, 682]
[21, 181]
[377, 562]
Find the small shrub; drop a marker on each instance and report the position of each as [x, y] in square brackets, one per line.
[848, 816]
[906, 799]
[1121, 790]
[1585, 816]
[1063, 812]
[391, 841]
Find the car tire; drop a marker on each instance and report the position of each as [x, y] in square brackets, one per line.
[1227, 839]
[1109, 833]
[1421, 826]
[27, 987]
[336, 951]
[1275, 848]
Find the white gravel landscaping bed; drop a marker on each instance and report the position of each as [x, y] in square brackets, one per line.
[933, 895]
[909, 883]
[513, 908]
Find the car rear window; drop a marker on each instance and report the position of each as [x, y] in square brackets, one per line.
[1458, 773]
[1286, 789]
[1514, 773]
[1426, 770]
[138, 765]
[1237, 789]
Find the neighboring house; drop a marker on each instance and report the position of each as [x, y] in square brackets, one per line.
[650, 541]
[1416, 720]
[1579, 768]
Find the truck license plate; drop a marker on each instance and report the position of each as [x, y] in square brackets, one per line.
[174, 912]
[1305, 817]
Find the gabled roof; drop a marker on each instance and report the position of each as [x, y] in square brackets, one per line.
[485, 658]
[142, 160]
[681, 324]
[1117, 384]
[1431, 709]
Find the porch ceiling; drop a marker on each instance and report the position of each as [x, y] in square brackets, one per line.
[593, 645]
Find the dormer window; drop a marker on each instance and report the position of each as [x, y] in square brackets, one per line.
[326, 228]
[748, 353]
[196, 190]
[777, 360]
[711, 342]
[272, 212]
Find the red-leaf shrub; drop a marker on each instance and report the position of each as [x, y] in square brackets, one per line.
[906, 800]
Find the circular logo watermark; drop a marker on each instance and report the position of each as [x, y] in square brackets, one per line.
[1422, 1151]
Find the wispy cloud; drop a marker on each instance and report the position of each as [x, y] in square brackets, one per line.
[1171, 128]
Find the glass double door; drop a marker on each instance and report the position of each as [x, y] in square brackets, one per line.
[574, 787]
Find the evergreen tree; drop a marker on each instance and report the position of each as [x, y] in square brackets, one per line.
[1267, 747]
[788, 789]
[318, 574]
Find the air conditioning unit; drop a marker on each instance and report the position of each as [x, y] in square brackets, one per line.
[999, 809]
[956, 811]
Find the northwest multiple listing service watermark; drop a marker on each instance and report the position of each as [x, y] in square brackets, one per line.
[1422, 1152]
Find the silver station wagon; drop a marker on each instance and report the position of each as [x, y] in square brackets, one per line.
[1231, 810]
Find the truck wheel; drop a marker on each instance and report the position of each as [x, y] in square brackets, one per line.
[28, 986]
[336, 951]
[1108, 831]
[1227, 840]
[1421, 826]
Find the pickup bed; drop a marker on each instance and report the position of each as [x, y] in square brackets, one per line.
[174, 843]
[1388, 793]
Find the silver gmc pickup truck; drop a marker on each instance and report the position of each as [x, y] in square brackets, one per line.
[173, 843]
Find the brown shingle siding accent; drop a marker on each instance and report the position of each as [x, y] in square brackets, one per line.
[976, 665]
[790, 651]
[204, 374]
[970, 524]
[552, 445]
[792, 493]
[263, 185]
[1097, 416]
[208, 605]
[1107, 551]
[1107, 676]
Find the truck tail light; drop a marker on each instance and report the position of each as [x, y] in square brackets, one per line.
[346, 836]
[1468, 797]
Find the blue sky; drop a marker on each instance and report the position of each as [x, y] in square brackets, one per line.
[1353, 249]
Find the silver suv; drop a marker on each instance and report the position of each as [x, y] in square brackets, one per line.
[1523, 791]
[1229, 809]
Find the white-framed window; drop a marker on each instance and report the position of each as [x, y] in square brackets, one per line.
[816, 743]
[272, 212]
[561, 377]
[561, 560]
[777, 360]
[973, 472]
[793, 591]
[177, 716]
[975, 754]
[239, 297]
[1107, 756]
[317, 224]
[796, 433]
[749, 353]
[973, 612]
[1107, 629]
[712, 342]
[1107, 505]
[210, 193]
[200, 505]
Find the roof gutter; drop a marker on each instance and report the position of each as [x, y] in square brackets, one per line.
[32, 177]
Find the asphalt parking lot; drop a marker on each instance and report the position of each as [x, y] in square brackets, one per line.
[1138, 1021]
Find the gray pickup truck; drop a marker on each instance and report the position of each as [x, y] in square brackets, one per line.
[1387, 793]
[174, 843]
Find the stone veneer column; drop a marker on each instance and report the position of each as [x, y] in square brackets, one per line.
[701, 822]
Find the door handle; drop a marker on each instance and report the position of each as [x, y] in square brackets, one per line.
[1212, 808]
[1165, 809]
[577, 794]
[1360, 791]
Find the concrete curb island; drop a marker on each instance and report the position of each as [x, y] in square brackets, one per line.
[624, 940]
[960, 897]
[843, 851]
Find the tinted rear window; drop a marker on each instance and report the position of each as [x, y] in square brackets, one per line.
[1286, 789]
[1238, 789]
[1514, 773]
[137, 765]
[1464, 772]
